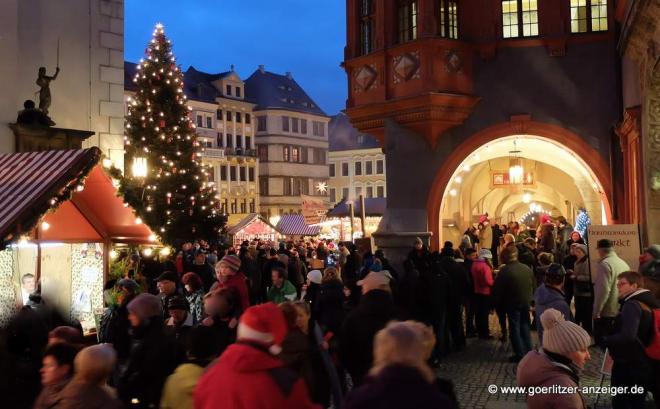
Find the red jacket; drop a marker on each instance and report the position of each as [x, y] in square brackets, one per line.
[482, 275]
[241, 379]
[238, 283]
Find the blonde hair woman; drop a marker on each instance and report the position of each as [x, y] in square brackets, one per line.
[400, 377]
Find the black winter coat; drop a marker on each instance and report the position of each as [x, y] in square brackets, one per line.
[398, 387]
[154, 356]
[432, 294]
[375, 310]
[331, 306]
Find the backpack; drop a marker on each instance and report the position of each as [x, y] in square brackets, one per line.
[652, 348]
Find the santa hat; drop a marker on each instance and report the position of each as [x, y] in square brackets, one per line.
[263, 323]
[483, 218]
[545, 218]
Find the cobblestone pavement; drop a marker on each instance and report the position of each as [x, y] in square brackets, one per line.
[485, 362]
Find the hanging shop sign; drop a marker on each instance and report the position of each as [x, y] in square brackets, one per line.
[313, 209]
[502, 178]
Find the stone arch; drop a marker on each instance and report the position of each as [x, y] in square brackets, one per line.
[522, 125]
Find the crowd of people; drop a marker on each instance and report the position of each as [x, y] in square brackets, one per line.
[319, 324]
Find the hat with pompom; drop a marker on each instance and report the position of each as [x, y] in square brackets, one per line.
[561, 336]
[263, 323]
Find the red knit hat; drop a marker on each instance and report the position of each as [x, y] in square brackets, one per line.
[232, 261]
[263, 323]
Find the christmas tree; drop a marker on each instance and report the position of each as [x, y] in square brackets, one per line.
[165, 181]
[582, 222]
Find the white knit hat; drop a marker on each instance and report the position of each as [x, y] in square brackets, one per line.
[561, 336]
[315, 276]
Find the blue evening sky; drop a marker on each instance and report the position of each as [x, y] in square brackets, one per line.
[306, 37]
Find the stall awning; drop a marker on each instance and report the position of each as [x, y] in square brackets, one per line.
[30, 181]
[45, 184]
[294, 225]
[373, 206]
[251, 220]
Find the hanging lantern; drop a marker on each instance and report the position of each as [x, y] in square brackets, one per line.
[139, 167]
[516, 171]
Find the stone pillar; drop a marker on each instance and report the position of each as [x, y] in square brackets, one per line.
[407, 158]
[651, 143]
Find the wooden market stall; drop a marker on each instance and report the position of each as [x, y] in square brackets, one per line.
[338, 219]
[59, 216]
[294, 226]
[252, 227]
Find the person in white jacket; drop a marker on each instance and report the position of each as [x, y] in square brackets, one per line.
[606, 301]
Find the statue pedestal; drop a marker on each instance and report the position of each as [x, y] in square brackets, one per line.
[30, 138]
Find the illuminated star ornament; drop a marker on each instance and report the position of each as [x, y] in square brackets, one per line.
[322, 187]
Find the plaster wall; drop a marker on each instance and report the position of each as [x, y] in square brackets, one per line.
[88, 92]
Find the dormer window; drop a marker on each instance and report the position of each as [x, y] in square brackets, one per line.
[238, 92]
[228, 90]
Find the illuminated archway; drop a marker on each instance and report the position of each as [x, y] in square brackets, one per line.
[589, 170]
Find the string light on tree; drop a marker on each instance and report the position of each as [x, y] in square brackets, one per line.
[167, 184]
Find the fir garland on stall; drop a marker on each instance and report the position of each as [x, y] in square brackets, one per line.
[165, 181]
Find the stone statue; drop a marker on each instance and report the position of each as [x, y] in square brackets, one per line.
[32, 116]
[43, 81]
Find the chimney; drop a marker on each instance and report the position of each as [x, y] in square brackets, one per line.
[262, 69]
[289, 75]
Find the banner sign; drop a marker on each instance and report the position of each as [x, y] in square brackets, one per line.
[313, 209]
[624, 237]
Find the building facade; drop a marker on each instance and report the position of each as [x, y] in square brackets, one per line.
[480, 106]
[224, 125]
[356, 163]
[86, 39]
[292, 142]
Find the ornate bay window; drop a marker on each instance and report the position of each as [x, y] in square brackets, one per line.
[367, 22]
[520, 18]
[447, 12]
[407, 20]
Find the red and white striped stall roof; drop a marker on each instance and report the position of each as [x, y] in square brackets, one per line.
[29, 180]
[294, 225]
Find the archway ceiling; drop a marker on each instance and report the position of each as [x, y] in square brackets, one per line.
[535, 148]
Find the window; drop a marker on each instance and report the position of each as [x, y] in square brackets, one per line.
[263, 185]
[230, 140]
[242, 173]
[367, 19]
[285, 123]
[251, 174]
[220, 140]
[247, 118]
[303, 126]
[218, 114]
[238, 94]
[588, 15]
[448, 18]
[248, 142]
[294, 125]
[380, 166]
[358, 191]
[287, 182]
[211, 176]
[333, 194]
[318, 128]
[370, 191]
[252, 206]
[232, 173]
[332, 170]
[223, 172]
[239, 141]
[517, 14]
[263, 153]
[228, 115]
[224, 206]
[243, 203]
[304, 155]
[286, 157]
[228, 90]
[358, 168]
[344, 169]
[380, 191]
[319, 156]
[407, 21]
[295, 154]
[261, 123]
[344, 193]
[238, 117]
[368, 167]
[200, 121]
[209, 122]
[297, 184]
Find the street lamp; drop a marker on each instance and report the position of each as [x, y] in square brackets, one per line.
[139, 167]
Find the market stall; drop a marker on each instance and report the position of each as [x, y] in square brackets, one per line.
[252, 227]
[338, 220]
[59, 217]
[294, 226]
